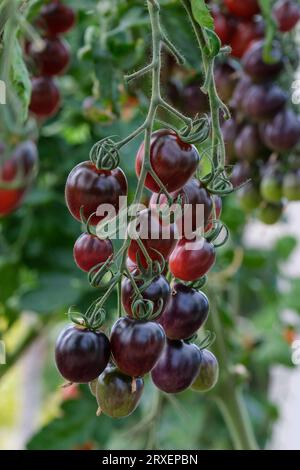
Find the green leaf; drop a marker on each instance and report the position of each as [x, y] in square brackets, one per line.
[202, 14]
[213, 42]
[20, 80]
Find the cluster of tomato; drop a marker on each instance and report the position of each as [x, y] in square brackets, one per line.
[262, 136]
[49, 57]
[160, 343]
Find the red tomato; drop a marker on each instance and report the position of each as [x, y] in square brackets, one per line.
[89, 251]
[245, 34]
[224, 26]
[45, 97]
[53, 59]
[243, 8]
[56, 18]
[287, 14]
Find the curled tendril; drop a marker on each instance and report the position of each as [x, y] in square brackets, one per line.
[142, 309]
[105, 154]
[93, 319]
[215, 233]
[153, 269]
[208, 340]
[196, 133]
[199, 283]
[98, 272]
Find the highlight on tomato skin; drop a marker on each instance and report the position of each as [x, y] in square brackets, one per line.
[52, 59]
[89, 251]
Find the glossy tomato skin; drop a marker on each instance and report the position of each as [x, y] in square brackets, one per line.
[263, 101]
[192, 259]
[21, 165]
[282, 133]
[53, 59]
[177, 367]
[158, 289]
[248, 145]
[287, 14]
[255, 66]
[136, 345]
[158, 239]
[209, 373]
[88, 187]
[45, 97]
[56, 18]
[81, 355]
[186, 311]
[245, 34]
[89, 251]
[173, 161]
[240, 174]
[243, 8]
[115, 395]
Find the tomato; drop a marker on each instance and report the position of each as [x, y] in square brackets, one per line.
[173, 161]
[270, 213]
[158, 291]
[271, 187]
[263, 101]
[56, 18]
[246, 33]
[248, 144]
[157, 238]
[89, 188]
[20, 166]
[287, 14]
[177, 367]
[186, 311]
[240, 174]
[209, 373]
[81, 355]
[291, 186]
[224, 25]
[243, 8]
[89, 251]
[194, 101]
[230, 130]
[45, 97]
[249, 197]
[197, 208]
[240, 92]
[282, 133]
[115, 395]
[226, 78]
[53, 59]
[136, 345]
[192, 259]
[255, 66]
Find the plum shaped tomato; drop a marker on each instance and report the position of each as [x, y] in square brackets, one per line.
[186, 311]
[192, 259]
[240, 174]
[245, 34]
[177, 367]
[291, 186]
[282, 133]
[115, 395]
[81, 355]
[158, 291]
[287, 14]
[263, 101]
[45, 97]
[89, 188]
[17, 171]
[157, 238]
[243, 8]
[249, 197]
[249, 145]
[89, 251]
[136, 345]
[56, 18]
[172, 160]
[270, 213]
[53, 58]
[209, 373]
[257, 68]
[197, 208]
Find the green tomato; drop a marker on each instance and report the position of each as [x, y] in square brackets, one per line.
[271, 188]
[209, 373]
[249, 197]
[291, 186]
[270, 213]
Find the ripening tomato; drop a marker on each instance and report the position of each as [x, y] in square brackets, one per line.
[287, 14]
[56, 18]
[53, 58]
[246, 32]
[243, 8]
[224, 25]
[45, 97]
[173, 161]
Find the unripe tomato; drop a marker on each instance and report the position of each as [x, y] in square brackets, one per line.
[270, 213]
[249, 197]
[271, 187]
[291, 186]
[209, 373]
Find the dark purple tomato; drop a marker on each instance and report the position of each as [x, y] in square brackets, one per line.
[18, 171]
[291, 186]
[136, 345]
[255, 65]
[230, 130]
[246, 33]
[53, 59]
[158, 291]
[226, 78]
[283, 132]
[243, 8]
[177, 367]
[287, 14]
[249, 146]
[89, 188]
[173, 161]
[89, 251]
[45, 97]
[197, 208]
[240, 174]
[56, 18]
[158, 239]
[269, 213]
[115, 394]
[81, 355]
[192, 259]
[194, 101]
[263, 101]
[240, 92]
[249, 197]
[186, 311]
[209, 373]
